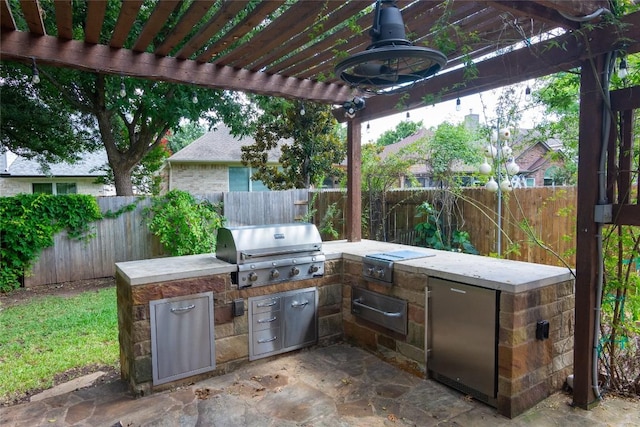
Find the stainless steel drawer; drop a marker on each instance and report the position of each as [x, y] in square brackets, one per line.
[267, 341]
[266, 304]
[266, 320]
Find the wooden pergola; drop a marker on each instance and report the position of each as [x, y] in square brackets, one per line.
[289, 49]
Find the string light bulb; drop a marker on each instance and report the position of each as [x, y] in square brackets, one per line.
[368, 127]
[622, 69]
[123, 90]
[527, 94]
[458, 104]
[35, 77]
[408, 115]
[302, 111]
[194, 98]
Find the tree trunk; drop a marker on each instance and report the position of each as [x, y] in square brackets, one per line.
[122, 179]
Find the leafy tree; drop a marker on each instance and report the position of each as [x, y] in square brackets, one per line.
[128, 116]
[56, 133]
[307, 135]
[184, 135]
[402, 130]
[446, 153]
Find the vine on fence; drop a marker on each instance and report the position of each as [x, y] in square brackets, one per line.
[28, 224]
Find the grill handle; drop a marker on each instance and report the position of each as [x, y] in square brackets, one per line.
[272, 252]
[357, 302]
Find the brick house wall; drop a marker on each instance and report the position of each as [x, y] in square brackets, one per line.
[198, 178]
[13, 186]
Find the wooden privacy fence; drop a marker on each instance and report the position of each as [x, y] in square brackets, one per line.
[531, 218]
[548, 214]
[127, 238]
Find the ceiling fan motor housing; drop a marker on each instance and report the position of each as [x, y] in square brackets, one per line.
[388, 27]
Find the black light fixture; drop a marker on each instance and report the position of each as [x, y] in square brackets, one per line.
[458, 104]
[391, 63]
[35, 75]
[353, 106]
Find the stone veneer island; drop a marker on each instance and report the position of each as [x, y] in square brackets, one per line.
[528, 369]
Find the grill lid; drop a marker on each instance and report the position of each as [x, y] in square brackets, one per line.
[239, 244]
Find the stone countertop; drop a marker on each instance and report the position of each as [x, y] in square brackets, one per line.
[172, 268]
[492, 273]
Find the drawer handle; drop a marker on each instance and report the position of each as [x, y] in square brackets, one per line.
[271, 304]
[267, 340]
[179, 310]
[299, 304]
[273, 319]
[384, 313]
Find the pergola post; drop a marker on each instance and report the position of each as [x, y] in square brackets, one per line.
[354, 182]
[589, 143]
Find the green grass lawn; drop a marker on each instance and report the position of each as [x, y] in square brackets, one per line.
[51, 335]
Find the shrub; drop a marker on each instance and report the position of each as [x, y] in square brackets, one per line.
[184, 225]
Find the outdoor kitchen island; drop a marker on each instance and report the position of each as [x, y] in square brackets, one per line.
[532, 337]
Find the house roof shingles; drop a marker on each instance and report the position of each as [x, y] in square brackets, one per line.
[88, 166]
[219, 146]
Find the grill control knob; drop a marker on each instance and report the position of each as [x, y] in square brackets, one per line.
[253, 277]
[313, 269]
[275, 274]
[380, 273]
[371, 271]
[294, 271]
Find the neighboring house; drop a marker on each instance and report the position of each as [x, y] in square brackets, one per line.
[212, 163]
[21, 175]
[537, 168]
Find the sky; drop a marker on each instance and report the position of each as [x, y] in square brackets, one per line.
[432, 116]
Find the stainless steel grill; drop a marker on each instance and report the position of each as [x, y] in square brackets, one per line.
[379, 267]
[268, 254]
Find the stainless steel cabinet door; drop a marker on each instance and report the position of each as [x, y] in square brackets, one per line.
[300, 319]
[462, 335]
[182, 337]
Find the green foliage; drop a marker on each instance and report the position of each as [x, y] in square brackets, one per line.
[431, 233]
[402, 130]
[450, 147]
[184, 135]
[48, 336]
[53, 134]
[620, 312]
[312, 153]
[28, 223]
[184, 225]
[326, 225]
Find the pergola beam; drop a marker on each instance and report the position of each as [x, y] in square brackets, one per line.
[22, 46]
